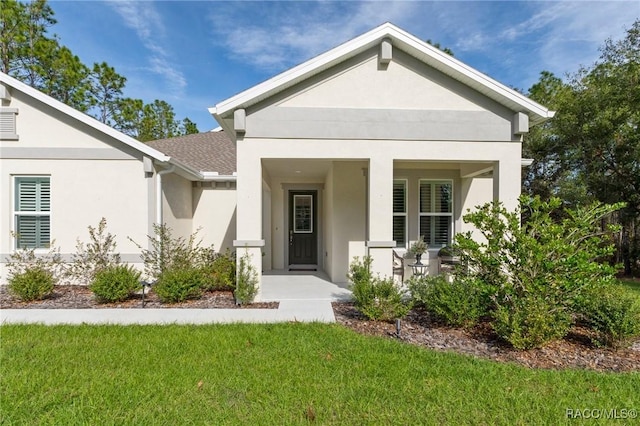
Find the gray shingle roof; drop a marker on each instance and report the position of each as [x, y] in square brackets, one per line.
[205, 152]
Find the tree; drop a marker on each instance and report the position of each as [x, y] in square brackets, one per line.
[105, 91]
[22, 27]
[437, 46]
[591, 149]
[188, 127]
[30, 55]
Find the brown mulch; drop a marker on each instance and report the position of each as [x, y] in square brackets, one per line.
[80, 297]
[574, 351]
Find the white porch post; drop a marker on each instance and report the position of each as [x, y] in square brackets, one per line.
[380, 212]
[507, 177]
[249, 239]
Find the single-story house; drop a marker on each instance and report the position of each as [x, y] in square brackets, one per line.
[357, 151]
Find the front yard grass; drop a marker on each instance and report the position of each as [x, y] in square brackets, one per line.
[632, 284]
[276, 374]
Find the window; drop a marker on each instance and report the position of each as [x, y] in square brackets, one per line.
[400, 212]
[303, 209]
[436, 212]
[32, 211]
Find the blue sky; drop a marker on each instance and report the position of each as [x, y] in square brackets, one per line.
[194, 54]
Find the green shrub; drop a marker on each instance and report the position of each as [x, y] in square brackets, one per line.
[247, 281]
[179, 284]
[34, 283]
[95, 256]
[530, 322]
[115, 283]
[221, 272]
[360, 272]
[420, 287]
[377, 298]
[172, 253]
[535, 271]
[613, 312]
[459, 303]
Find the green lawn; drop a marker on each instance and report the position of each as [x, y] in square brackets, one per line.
[276, 374]
[632, 284]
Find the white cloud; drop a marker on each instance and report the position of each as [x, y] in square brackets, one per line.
[144, 19]
[278, 36]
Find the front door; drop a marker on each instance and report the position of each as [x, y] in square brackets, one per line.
[303, 228]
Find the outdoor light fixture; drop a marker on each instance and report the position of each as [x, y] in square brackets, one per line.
[398, 324]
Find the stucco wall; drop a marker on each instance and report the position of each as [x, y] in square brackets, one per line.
[214, 212]
[348, 216]
[177, 204]
[406, 100]
[92, 176]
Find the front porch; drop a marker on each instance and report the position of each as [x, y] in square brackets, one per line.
[283, 285]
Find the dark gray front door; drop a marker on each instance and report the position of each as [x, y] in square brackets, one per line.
[303, 228]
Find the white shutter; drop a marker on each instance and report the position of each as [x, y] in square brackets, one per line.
[32, 206]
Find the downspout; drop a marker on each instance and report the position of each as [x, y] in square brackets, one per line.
[159, 175]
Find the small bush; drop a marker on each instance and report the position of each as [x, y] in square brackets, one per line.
[34, 283]
[458, 303]
[377, 298]
[167, 252]
[97, 255]
[420, 288]
[530, 322]
[115, 283]
[179, 284]
[613, 312]
[221, 272]
[383, 300]
[247, 281]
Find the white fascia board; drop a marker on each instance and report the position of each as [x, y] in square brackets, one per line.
[403, 40]
[198, 175]
[83, 118]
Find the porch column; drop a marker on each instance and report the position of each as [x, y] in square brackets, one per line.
[507, 178]
[380, 211]
[249, 241]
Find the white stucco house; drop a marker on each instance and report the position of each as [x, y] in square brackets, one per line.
[357, 151]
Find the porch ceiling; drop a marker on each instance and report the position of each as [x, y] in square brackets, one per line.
[297, 168]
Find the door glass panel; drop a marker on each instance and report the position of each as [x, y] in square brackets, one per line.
[302, 214]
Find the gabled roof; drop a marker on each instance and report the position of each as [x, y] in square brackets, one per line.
[208, 152]
[400, 39]
[83, 118]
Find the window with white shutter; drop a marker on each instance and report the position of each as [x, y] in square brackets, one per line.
[32, 211]
[8, 130]
[400, 212]
[436, 212]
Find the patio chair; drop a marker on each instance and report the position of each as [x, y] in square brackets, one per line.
[398, 265]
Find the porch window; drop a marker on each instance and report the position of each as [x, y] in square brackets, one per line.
[436, 212]
[32, 211]
[400, 212]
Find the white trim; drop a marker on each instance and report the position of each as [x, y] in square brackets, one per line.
[248, 243]
[401, 39]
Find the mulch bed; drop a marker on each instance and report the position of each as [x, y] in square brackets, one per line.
[80, 297]
[418, 328]
[575, 351]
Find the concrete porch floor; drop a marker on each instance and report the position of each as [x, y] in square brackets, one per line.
[282, 285]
